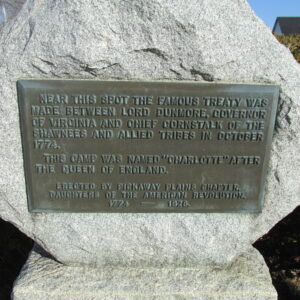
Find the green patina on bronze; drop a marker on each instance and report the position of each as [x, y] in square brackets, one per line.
[124, 146]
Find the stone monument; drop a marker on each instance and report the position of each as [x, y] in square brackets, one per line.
[188, 255]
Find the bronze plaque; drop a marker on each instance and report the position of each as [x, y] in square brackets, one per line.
[123, 146]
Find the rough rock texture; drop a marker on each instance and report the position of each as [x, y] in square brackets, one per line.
[9, 9]
[43, 278]
[203, 40]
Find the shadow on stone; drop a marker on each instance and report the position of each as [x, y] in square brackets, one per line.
[38, 249]
[280, 248]
[14, 250]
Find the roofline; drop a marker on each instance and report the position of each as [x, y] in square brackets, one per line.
[288, 17]
[276, 21]
[275, 24]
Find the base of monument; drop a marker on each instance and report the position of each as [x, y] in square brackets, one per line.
[246, 278]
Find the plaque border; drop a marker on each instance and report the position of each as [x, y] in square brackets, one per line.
[26, 83]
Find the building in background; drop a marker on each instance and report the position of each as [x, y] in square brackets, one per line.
[286, 25]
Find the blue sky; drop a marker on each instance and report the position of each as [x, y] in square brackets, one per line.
[268, 10]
